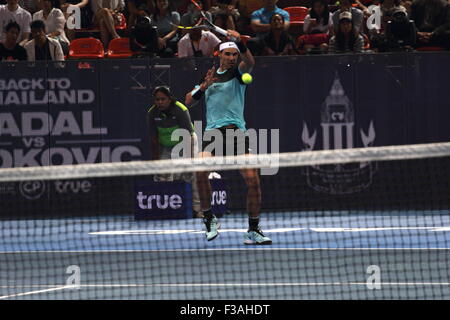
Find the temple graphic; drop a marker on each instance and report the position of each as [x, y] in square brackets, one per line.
[338, 132]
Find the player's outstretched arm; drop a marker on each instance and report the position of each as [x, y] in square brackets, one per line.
[194, 95]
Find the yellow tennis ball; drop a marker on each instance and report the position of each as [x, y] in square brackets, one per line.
[247, 78]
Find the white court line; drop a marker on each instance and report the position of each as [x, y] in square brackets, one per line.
[35, 292]
[215, 249]
[270, 284]
[276, 230]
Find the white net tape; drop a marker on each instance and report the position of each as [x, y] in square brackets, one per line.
[279, 160]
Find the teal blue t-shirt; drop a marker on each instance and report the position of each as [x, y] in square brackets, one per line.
[225, 100]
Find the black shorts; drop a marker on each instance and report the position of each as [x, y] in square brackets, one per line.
[234, 142]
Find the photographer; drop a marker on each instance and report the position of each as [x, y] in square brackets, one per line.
[197, 43]
[144, 37]
[400, 32]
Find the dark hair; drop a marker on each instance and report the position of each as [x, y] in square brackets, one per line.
[38, 24]
[55, 3]
[156, 14]
[276, 14]
[12, 24]
[325, 13]
[164, 90]
[340, 37]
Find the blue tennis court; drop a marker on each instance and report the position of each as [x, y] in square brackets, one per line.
[313, 256]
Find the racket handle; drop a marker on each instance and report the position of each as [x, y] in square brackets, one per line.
[220, 30]
[223, 32]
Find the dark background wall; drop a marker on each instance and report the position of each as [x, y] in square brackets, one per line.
[95, 112]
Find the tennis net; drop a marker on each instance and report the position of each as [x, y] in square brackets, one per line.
[370, 223]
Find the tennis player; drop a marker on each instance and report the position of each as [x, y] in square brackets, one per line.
[224, 94]
[164, 117]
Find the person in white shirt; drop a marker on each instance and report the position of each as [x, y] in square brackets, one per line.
[197, 43]
[317, 27]
[13, 12]
[54, 22]
[42, 47]
[319, 19]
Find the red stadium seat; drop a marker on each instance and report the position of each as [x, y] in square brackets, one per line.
[119, 48]
[297, 14]
[86, 48]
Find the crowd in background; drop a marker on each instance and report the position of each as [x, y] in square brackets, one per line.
[38, 29]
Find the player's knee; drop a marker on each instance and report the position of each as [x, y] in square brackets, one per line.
[252, 181]
[204, 154]
[202, 176]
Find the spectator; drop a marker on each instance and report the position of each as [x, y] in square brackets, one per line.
[54, 22]
[106, 16]
[9, 49]
[347, 38]
[137, 8]
[261, 24]
[225, 14]
[261, 18]
[432, 19]
[357, 15]
[197, 43]
[317, 27]
[31, 6]
[42, 47]
[277, 42]
[166, 21]
[13, 12]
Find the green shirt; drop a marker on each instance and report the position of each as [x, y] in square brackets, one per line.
[163, 123]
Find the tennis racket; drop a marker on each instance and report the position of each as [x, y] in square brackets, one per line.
[208, 23]
[200, 26]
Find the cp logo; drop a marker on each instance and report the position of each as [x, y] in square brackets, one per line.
[32, 190]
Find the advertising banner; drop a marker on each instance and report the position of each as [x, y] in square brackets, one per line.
[74, 113]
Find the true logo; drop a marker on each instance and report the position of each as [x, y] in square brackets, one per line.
[219, 198]
[163, 202]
